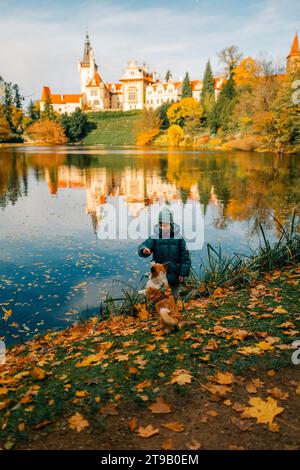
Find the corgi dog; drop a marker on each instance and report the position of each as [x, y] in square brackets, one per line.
[158, 292]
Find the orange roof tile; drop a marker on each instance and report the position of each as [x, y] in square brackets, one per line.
[95, 81]
[64, 99]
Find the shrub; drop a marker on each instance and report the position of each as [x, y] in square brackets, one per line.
[47, 132]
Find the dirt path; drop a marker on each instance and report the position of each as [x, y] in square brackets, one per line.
[208, 422]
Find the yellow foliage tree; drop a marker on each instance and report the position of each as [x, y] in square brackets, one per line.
[47, 132]
[246, 73]
[175, 135]
[178, 112]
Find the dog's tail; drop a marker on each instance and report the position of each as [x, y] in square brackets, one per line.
[164, 315]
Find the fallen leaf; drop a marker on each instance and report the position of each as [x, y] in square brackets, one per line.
[160, 406]
[174, 426]
[132, 424]
[147, 431]
[181, 377]
[77, 422]
[263, 410]
[194, 445]
[167, 444]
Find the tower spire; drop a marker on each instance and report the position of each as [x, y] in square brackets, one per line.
[295, 46]
[293, 59]
[87, 49]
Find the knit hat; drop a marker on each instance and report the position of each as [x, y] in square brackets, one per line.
[166, 216]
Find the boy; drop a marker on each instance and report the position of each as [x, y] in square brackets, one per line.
[167, 245]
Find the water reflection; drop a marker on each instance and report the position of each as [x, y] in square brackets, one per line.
[51, 200]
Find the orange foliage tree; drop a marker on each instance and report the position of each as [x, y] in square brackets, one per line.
[5, 132]
[47, 131]
[246, 73]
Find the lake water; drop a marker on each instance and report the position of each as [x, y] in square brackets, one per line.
[54, 266]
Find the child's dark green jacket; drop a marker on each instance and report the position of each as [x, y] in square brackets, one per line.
[172, 250]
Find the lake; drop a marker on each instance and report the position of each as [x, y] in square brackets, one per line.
[56, 268]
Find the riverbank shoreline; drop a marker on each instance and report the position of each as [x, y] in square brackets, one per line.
[97, 376]
[154, 147]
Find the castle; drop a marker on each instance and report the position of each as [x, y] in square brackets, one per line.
[138, 88]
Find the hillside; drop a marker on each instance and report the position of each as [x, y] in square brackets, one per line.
[112, 128]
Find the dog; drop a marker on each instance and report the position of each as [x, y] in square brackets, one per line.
[159, 293]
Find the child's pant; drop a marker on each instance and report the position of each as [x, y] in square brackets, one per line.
[175, 291]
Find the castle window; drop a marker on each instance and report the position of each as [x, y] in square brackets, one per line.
[94, 92]
[132, 93]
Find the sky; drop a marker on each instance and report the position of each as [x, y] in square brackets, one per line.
[42, 40]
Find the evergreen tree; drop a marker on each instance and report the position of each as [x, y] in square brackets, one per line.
[76, 125]
[48, 112]
[208, 93]
[223, 108]
[186, 87]
[33, 112]
[208, 82]
[162, 113]
[17, 97]
[8, 104]
[168, 76]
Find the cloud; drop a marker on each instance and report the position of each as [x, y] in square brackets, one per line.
[40, 44]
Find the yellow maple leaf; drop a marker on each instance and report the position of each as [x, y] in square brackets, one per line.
[7, 313]
[263, 410]
[181, 377]
[77, 422]
[224, 378]
[280, 310]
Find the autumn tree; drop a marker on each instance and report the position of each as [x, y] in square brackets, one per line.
[230, 57]
[179, 112]
[148, 126]
[175, 135]
[5, 132]
[186, 87]
[247, 73]
[47, 131]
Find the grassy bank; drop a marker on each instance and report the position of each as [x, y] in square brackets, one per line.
[125, 368]
[112, 128]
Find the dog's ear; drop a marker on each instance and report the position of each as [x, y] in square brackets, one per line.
[166, 265]
[153, 268]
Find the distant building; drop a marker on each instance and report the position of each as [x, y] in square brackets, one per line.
[293, 59]
[138, 88]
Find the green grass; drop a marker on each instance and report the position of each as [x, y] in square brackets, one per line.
[112, 128]
[130, 336]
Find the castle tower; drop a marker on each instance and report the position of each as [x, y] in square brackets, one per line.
[293, 59]
[87, 66]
